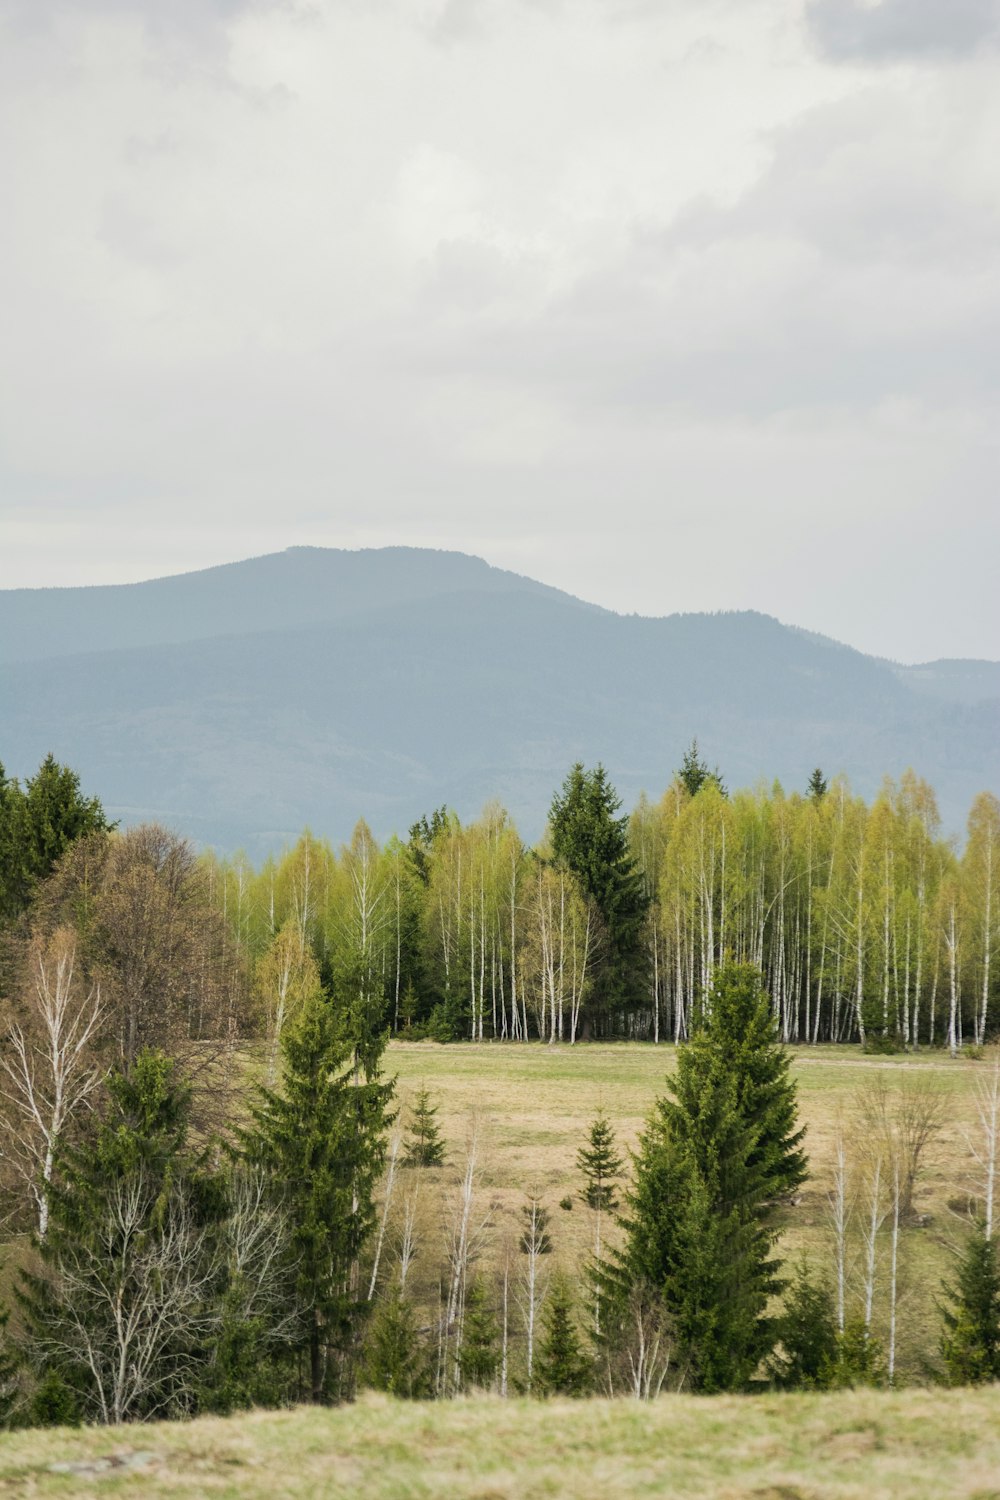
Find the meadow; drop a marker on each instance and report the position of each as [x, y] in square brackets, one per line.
[531, 1107]
[851, 1445]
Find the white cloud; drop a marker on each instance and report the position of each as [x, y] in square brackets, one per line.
[655, 301]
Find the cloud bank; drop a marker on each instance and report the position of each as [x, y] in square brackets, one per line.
[677, 306]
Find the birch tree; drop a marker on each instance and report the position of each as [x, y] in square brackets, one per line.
[49, 1067]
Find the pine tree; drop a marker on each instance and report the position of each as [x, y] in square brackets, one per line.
[970, 1345]
[479, 1357]
[395, 1359]
[321, 1139]
[600, 1165]
[561, 1368]
[424, 1147]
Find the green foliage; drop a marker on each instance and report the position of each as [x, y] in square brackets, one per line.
[738, 1039]
[119, 1320]
[479, 1357]
[715, 1155]
[600, 1165]
[53, 1403]
[970, 1344]
[561, 1366]
[9, 1391]
[818, 786]
[806, 1331]
[395, 1359]
[694, 773]
[38, 823]
[321, 1139]
[858, 1359]
[592, 841]
[424, 1146]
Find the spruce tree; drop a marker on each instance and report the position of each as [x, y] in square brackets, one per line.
[600, 1165]
[561, 1366]
[806, 1332]
[395, 1359]
[818, 786]
[479, 1357]
[321, 1139]
[694, 773]
[121, 1318]
[424, 1146]
[38, 823]
[717, 1152]
[8, 1374]
[590, 839]
[970, 1344]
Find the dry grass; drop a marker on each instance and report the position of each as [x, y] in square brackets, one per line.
[924, 1445]
[534, 1104]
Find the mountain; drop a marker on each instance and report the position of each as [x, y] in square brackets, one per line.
[241, 703]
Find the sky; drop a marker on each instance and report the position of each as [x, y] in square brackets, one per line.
[674, 304]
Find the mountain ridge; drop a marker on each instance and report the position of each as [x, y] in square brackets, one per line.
[432, 678]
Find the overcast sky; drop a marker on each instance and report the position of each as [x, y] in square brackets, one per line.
[676, 304]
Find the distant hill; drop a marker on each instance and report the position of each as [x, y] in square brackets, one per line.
[315, 686]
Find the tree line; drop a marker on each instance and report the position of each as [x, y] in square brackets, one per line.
[865, 921]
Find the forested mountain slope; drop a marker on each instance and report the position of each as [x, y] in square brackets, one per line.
[240, 703]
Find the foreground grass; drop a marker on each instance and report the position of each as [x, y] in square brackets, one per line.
[826, 1447]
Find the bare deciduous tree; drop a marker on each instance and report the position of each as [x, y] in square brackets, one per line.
[48, 1067]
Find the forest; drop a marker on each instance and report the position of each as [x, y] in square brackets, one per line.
[205, 1155]
[865, 922]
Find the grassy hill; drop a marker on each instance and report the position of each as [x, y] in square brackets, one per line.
[924, 1445]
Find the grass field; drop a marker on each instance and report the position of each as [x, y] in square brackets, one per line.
[533, 1105]
[922, 1445]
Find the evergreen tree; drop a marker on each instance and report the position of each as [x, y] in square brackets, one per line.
[38, 823]
[479, 1356]
[424, 1146]
[561, 1366]
[738, 1037]
[716, 1154]
[818, 786]
[121, 1317]
[591, 839]
[395, 1359]
[807, 1336]
[8, 1374]
[858, 1359]
[600, 1165]
[970, 1345]
[695, 774]
[321, 1139]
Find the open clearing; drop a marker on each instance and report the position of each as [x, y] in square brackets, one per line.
[534, 1103]
[922, 1445]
